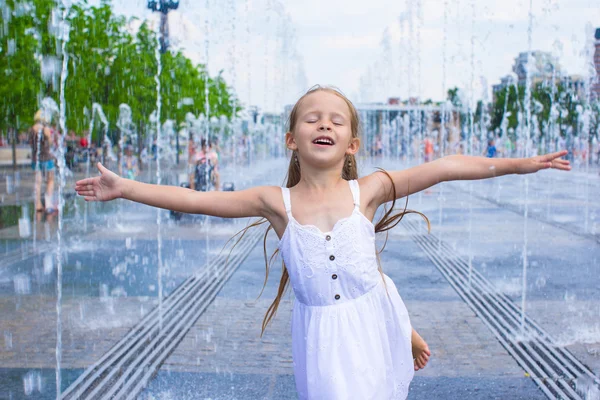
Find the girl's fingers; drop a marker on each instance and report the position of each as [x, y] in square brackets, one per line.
[101, 168]
[89, 198]
[84, 190]
[84, 187]
[564, 165]
[89, 182]
[86, 181]
[552, 156]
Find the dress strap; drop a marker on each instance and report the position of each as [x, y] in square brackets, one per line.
[354, 188]
[287, 202]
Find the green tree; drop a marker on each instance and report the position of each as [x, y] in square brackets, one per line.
[107, 65]
[91, 49]
[511, 100]
[24, 40]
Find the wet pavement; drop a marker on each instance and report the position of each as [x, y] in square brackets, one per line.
[223, 356]
[110, 282]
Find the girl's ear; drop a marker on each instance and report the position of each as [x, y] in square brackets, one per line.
[290, 142]
[353, 146]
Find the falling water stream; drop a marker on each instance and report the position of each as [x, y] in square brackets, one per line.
[38, 138]
[159, 241]
[527, 147]
[207, 126]
[442, 133]
[64, 39]
[470, 137]
[96, 111]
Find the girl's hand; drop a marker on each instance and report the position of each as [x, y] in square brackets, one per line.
[101, 188]
[552, 160]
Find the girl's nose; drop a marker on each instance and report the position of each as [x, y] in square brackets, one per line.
[324, 127]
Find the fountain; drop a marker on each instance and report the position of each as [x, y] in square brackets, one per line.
[128, 266]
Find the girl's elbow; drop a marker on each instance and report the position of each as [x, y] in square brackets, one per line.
[453, 158]
[450, 167]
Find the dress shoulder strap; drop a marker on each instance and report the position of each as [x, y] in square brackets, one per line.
[355, 189]
[287, 202]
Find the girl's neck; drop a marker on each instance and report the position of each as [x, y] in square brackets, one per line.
[319, 179]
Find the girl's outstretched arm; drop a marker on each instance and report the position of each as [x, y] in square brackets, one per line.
[109, 186]
[459, 167]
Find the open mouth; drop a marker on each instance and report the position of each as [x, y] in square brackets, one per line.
[323, 141]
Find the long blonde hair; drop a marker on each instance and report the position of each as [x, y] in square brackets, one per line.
[349, 172]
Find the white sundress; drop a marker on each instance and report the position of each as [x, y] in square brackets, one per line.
[351, 338]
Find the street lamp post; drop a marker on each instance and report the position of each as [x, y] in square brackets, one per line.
[163, 6]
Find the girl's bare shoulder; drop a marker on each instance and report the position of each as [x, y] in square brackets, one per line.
[273, 207]
[272, 198]
[371, 188]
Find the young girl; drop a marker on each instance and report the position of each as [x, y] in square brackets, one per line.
[351, 333]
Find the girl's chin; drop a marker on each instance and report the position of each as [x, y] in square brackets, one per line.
[325, 160]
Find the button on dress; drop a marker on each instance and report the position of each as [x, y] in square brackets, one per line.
[351, 334]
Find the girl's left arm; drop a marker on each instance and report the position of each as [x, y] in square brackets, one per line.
[459, 167]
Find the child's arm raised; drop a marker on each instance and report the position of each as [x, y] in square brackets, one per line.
[459, 167]
[109, 186]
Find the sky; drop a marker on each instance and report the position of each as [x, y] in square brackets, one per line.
[271, 51]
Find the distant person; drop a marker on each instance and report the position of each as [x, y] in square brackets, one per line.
[214, 157]
[129, 164]
[491, 149]
[191, 161]
[428, 144]
[83, 141]
[154, 150]
[203, 162]
[351, 333]
[378, 146]
[42, 161]
[509, 147]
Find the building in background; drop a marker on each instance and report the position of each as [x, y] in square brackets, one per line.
[545, 67]
[575, 84]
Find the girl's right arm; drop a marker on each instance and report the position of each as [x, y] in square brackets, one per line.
[109, 186]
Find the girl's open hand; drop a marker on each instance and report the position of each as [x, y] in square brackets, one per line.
[551, 160]
[101, 188]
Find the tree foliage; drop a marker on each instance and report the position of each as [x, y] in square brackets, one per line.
[24, 40]
[109, 64]
[545, 98]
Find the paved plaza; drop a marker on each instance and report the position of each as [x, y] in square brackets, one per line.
[111, 280]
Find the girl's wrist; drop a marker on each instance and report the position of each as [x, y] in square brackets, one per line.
[519, 165]
[122, 187]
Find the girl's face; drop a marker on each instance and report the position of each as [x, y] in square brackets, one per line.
[323, 133]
